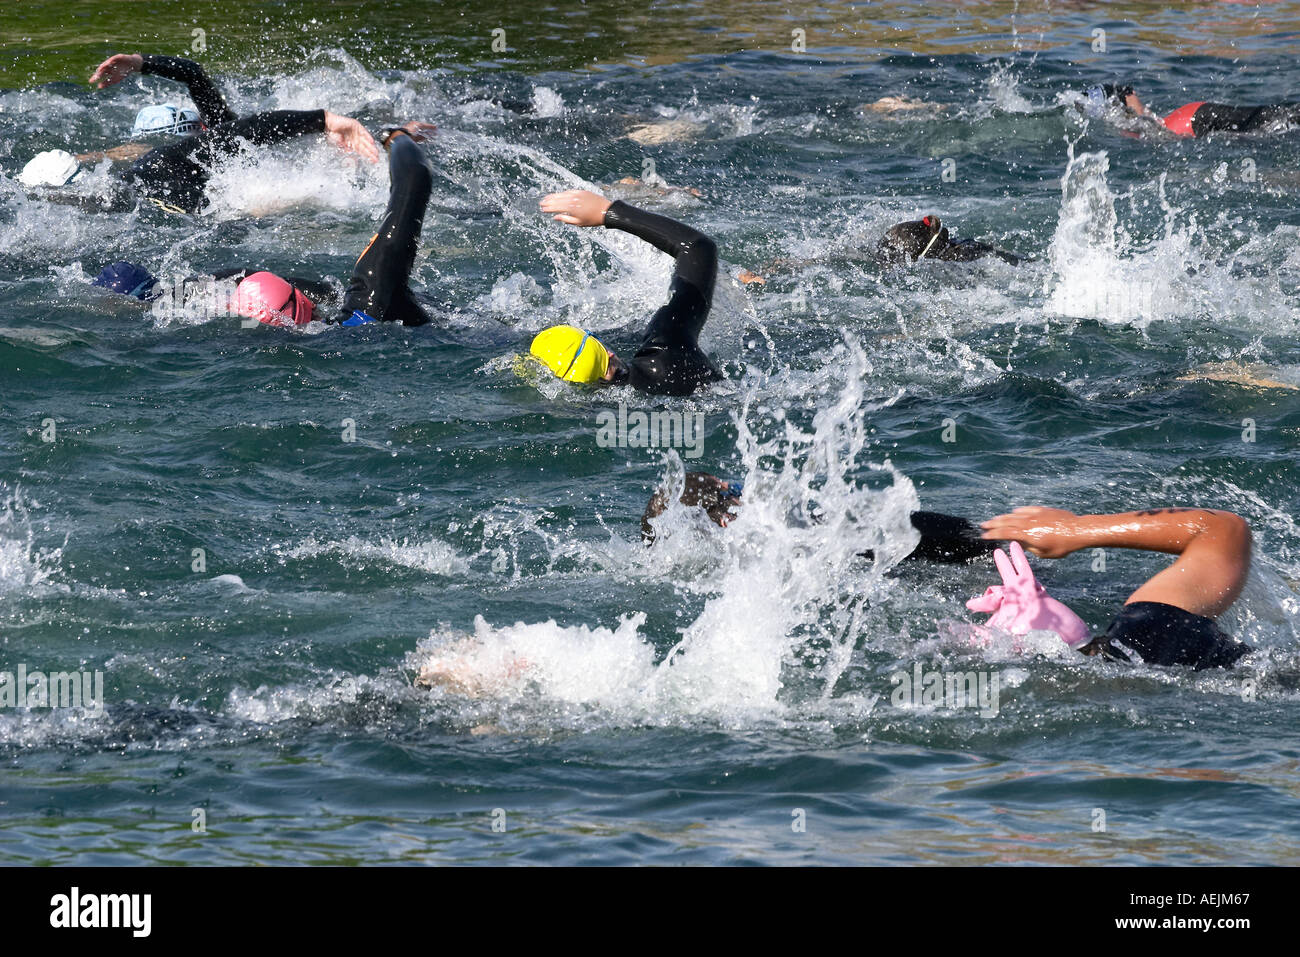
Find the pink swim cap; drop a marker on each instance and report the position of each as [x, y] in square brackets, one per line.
[266, 297]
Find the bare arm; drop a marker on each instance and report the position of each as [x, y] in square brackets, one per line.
[1213, 548]
[127, 153]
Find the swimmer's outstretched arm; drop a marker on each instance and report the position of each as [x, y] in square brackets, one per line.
[211, 104]
[1213, 548]
[696, 254]
[379, 289]
[944, 538]
[265, 129]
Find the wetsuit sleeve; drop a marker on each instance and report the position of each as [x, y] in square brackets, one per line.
[1210, 117]
[379, 288]
[696, 253]
[945, 538]
[277, 126]
[948, 538]
[211, 104]
[669, 360]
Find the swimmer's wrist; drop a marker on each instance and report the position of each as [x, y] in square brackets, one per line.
[388, 132]
[605, 216]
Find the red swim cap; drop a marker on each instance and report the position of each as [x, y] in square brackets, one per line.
[266, 297]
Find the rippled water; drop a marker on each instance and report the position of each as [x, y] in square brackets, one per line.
[680, 703]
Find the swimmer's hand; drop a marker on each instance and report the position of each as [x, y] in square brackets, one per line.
[116, 69]
[349, 135]
[577, 207]
[1045, 532]
[747, 277]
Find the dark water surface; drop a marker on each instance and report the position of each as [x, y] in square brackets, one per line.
[476, 519]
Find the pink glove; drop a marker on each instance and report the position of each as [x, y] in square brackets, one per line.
[1021, 605]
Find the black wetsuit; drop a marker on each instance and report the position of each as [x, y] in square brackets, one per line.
[1213, 117]
[177, 173]
[669, 360]
[948, 539]
[1164, 634]
[379, 290]
[212, 106]
[928, 239]
[968, 250]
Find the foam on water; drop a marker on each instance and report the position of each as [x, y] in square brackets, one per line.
[434, 556]
[24, 566]
[263, 183]
[1100, 271]
[784, 577]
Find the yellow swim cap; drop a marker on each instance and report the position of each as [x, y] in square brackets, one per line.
[572, 354]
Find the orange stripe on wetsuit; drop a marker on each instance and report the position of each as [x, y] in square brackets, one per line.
[1180, 120]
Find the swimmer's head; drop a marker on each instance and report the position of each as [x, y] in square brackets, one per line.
[166, 119]
[267, 298]
[576, 356]
[908, 242]
[1098, 99]
[51, 168]
[128, 279]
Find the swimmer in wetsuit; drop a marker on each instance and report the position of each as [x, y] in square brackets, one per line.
[1199, 118]
[927, 238]
[378, 290]
[924, 238]
[1170, 619]
[669, 360]
[175, 175]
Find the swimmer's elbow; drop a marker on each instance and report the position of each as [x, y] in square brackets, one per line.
[702, 249]
[1231, 529]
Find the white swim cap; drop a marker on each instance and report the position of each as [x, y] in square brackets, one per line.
[166, 119]
[51, 168]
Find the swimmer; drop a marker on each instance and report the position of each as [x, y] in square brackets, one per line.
[175, 175]
[659, 132]
[900, 104]
[669, 360]
[944, 538]
[379, 290]
[927, 238]
[1195, 119]
[1170, 619]
[924, 238]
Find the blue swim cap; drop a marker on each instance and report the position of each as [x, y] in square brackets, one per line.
[166, 119]
[128, 279]
[1097, 101]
